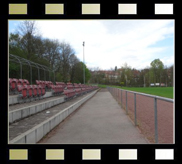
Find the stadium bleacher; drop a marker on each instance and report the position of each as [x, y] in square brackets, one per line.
[27, 92]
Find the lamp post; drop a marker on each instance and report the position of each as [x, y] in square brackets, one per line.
[83, 64]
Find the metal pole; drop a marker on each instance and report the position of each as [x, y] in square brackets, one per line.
[38, 74]
[121, 98]
[20, 70]
[115, 93]
[126, 104]
[156, 126]
[135, 108]
[118, 95]
[83, 64]
[49, 76]
[44, 75]
[30, 71]
[31, 74]
[54, 78]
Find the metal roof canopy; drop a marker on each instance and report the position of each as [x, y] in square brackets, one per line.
[20, 60]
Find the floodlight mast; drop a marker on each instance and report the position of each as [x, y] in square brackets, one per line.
[83, 64]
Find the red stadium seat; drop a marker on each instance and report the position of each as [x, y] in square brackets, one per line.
[39, 91]
[37, 82]
[69, 93]
[20, 82]
[78, 91]
[22, 93]
[43, 90]
[70, 86]
[25, 82]
[34, 91]
[13, 85]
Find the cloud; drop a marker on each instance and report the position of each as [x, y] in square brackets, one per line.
[110, 43]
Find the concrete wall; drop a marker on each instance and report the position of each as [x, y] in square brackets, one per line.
[29, 110]
[14, 99]
[35, 134]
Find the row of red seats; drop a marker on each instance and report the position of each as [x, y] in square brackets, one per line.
[13, 83]
[61, 83]
[77, 89]
[25, 91]
[45, 84]
[57, 89]
[30, 92]
[69, 86]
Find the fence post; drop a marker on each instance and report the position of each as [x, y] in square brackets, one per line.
[114, 92]
[118, 95]
[126, 104]
[155, 113]
[121, 98]
[135, 108]
[20, 70]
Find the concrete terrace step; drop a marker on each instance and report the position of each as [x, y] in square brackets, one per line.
[32, 129]
[20, 111]
[21, 105]
[13, 99]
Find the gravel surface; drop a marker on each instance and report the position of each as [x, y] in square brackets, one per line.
[145, 116]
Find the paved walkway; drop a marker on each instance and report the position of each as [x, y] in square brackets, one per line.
[99, 121]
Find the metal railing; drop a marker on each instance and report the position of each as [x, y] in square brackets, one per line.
[143, 110]
[31, 64]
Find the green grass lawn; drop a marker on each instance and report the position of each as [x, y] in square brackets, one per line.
[159, 91]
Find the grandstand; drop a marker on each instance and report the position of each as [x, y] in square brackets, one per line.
[32, 100]
[33, 104]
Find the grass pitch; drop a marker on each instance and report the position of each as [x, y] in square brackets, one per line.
[158, 91]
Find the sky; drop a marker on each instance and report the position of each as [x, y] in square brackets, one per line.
[110, 43]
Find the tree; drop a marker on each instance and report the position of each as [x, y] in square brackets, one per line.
[73, 62]
[78, 77]
[156, 70]
[59, 56]
[170, 75]
[27, 31]
[126, 73]
[39, 46]
[15, 45]
[52, 52]
[65, 54]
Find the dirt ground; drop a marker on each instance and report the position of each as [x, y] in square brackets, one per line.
[145, 116]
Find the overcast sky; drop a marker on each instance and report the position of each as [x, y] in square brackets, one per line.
[110, 43]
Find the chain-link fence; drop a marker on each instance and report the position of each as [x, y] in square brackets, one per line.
[153, 115]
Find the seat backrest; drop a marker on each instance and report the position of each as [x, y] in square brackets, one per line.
[70, 86]
[13, 83]
[20, 82]
[24, 91]
[34, 89]
[37, 82]
[43, 90]
[19, 88]
[39, 87]
[30, 91]
[52, 86]
[10, 80]
[25, 82]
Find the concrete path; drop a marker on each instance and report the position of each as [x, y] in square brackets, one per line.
[99, 121]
